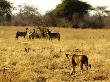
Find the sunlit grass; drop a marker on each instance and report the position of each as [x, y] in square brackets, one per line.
[46, 58]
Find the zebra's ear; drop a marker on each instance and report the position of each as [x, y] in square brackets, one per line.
[26, 28]
[74, 54]
[66, 55]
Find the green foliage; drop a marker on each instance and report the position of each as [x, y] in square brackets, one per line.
[50, 19]
[100, 12]
[28, 11]
[27, 15]
[5, 7]
[69, 7]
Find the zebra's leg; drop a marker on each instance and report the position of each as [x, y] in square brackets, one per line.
[24, 36]
[59, 38]
[73, 70]
[81, 67]
[17, 37]
[86, 65]
[32, 37]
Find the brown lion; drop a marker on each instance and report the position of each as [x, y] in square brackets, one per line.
[80, 60]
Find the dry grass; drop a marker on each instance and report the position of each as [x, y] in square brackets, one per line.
[46, 62]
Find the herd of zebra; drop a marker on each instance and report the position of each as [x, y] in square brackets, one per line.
[46, 33]
[38, 33]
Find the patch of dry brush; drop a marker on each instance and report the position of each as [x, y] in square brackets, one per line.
[46, 59]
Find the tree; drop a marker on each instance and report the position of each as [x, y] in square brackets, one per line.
[5, 9]
[68, 8]
[101, 11]
[27, 15]
[28, 11]
[49, 19]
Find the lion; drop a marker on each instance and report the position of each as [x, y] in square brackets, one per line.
[80, 60]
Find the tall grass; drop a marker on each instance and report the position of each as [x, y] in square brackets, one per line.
[46, 59]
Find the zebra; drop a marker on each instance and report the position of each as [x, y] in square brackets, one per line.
[33, 35]
[18, 33]
[53, 35]
[42, 32]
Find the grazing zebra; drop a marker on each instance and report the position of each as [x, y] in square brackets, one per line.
[33, 35]
[18, 33]
[42, 32]
[53, 35]
[37, 35]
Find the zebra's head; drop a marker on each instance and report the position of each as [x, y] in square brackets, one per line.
[26, 29]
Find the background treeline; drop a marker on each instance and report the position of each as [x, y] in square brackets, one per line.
[69, 13]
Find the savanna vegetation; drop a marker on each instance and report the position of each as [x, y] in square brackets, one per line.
[26, 56]
[72, 13]
[46, 59]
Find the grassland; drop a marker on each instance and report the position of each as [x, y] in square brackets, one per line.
[47, 60]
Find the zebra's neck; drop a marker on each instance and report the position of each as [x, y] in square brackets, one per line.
[49, 32]
[26, 32]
